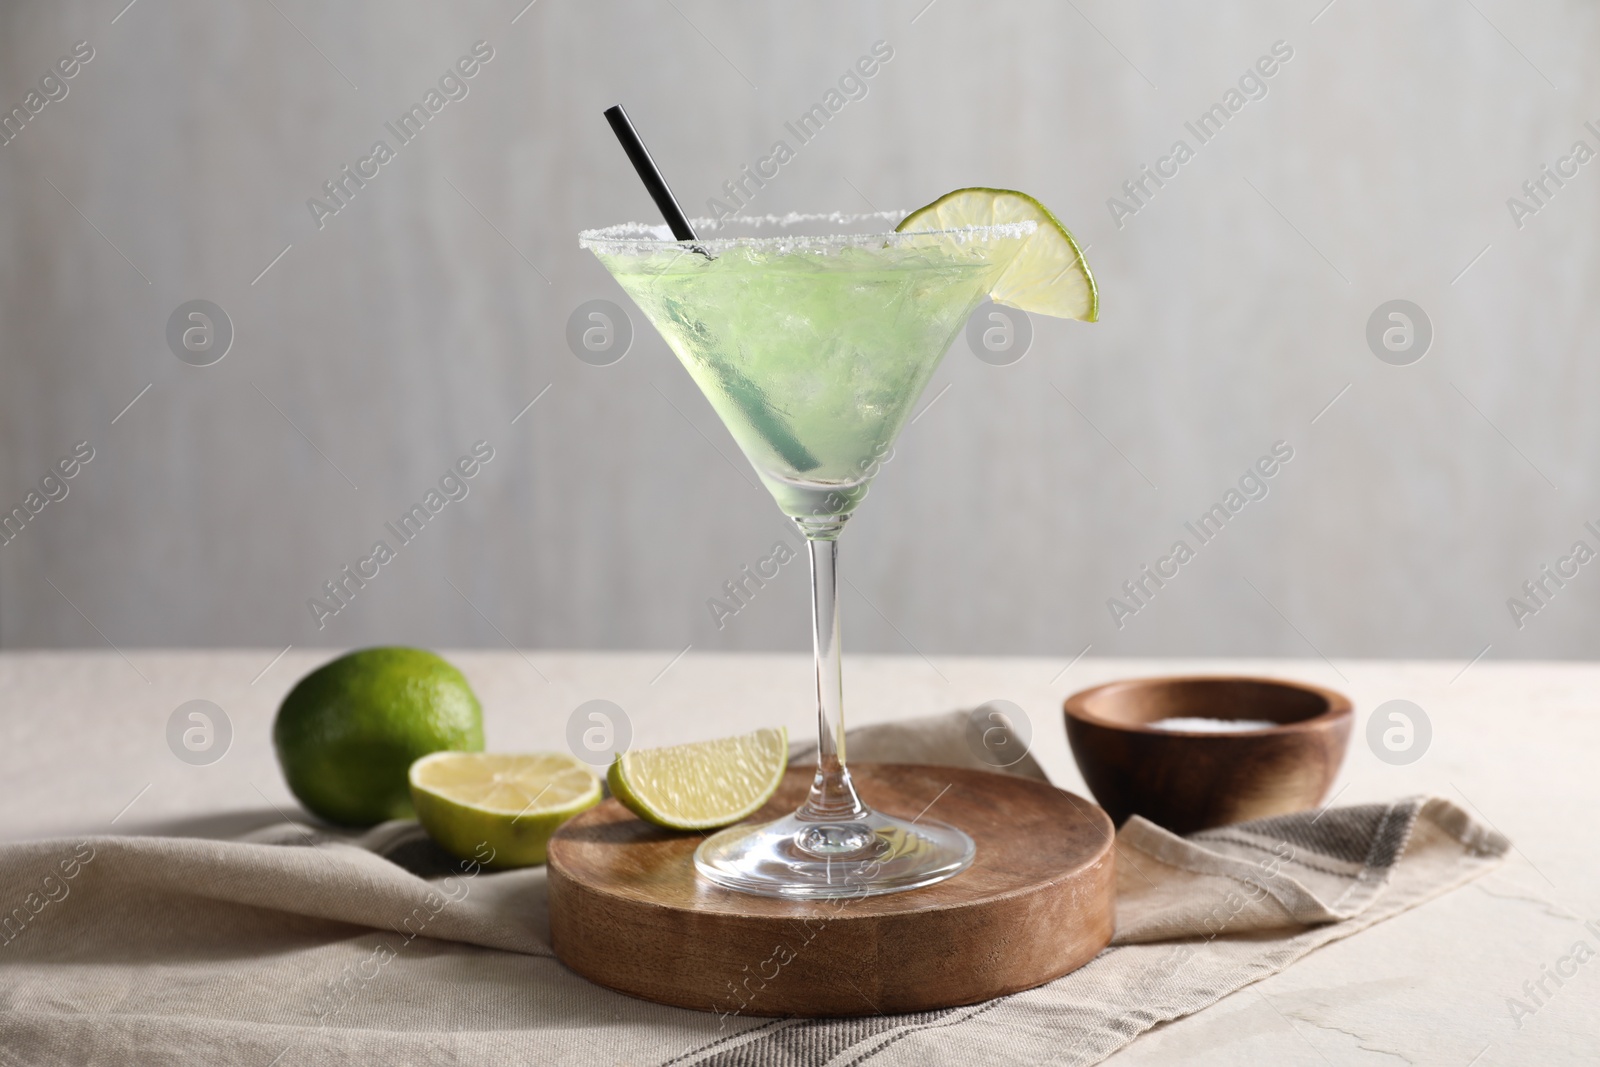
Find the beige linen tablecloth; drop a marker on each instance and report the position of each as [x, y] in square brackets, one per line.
[296, 946]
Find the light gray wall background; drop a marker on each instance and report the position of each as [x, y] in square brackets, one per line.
[432, 309]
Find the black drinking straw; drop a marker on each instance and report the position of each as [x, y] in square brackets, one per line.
[750, 398]
[639, 156]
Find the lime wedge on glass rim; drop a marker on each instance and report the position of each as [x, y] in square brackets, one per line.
[1048, 277]
[702, 785]
[499, 809]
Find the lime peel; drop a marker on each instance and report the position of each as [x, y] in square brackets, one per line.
[348, 732]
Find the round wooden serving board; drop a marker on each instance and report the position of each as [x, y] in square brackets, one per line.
[628, 911]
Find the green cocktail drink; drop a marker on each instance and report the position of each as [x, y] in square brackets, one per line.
[813, 358]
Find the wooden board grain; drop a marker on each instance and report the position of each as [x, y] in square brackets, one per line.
[628, 911]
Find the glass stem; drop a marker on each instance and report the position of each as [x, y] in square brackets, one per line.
[833, 798]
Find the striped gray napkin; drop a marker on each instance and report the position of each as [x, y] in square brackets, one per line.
[1197, 918]
[295, 946]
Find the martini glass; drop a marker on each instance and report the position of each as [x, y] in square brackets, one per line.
[812, 336]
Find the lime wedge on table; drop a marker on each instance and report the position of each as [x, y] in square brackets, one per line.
[703, 785]
[499, 809]
[1048, 277]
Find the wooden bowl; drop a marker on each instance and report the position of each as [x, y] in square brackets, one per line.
[1186, 780]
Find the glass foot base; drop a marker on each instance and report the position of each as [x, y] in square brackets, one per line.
[806, 860]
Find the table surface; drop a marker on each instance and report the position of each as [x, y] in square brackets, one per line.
[83, 749]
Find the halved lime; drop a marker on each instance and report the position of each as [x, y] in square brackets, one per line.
[1048, 277]
[499, 809]
[702, 785]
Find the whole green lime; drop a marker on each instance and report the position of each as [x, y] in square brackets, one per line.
[348, 732]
